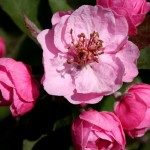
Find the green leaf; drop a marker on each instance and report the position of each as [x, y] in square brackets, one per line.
[13, 42]
[62, 122]
[28, 145]
[4, 112]
[62, 5]
[65, 5]
[144, 59]
[16, 9]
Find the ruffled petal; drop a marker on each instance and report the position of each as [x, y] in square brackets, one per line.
[80, 98]
[112, 28]
[57, 16]
[56, 76]
[104, 120]
[129, 55]
[46, 39]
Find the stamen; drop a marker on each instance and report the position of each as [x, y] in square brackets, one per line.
[84, 50]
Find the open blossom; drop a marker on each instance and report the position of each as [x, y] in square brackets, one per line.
[17, 87]
[87, 55]
[133, 10]
[98, 131]
[133, 110]
[2, 47]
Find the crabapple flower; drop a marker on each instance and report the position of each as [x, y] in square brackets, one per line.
[87, 55]
[17, 87]
[133, 10]
[133, 110]
[2, 47]
[98, 130]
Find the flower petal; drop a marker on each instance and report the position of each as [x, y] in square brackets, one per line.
[104, 120]
[19, 107]
[80, 98]
[56, 77]
[112, 28]
[129, 55]
[46, 39]
[22, 80]
[57, 16]
[128, 107]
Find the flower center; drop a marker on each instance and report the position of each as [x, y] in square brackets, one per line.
[84, 50]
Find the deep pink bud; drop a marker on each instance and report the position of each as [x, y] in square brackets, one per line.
[2, 47]
[133, 10]
[97, 130]
[133, 110]
[17, 86]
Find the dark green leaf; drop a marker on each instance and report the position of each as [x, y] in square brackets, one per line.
[4, 112]
[13, 42]
[144, 59]
[65, 5]
[16, 9]
[62, 5]
[28, 145]
[62, 122]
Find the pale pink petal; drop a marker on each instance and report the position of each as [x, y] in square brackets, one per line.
[57, 16]
[59, 32]
[112, 28]
[80, 98]
[46, 39]
[96, 77]
[107, 71]
[87, 81]
[56, 77]
[129, 55]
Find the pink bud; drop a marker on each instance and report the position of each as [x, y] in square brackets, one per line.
[2, 47]
[133, 10]
[17, 86]
[133, 110]
[97, 130]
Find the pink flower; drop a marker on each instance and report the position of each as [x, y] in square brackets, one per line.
[98, 131]
[17, 87]
[86, 54]
[133, 10]
[133, 110]
[2, 47]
